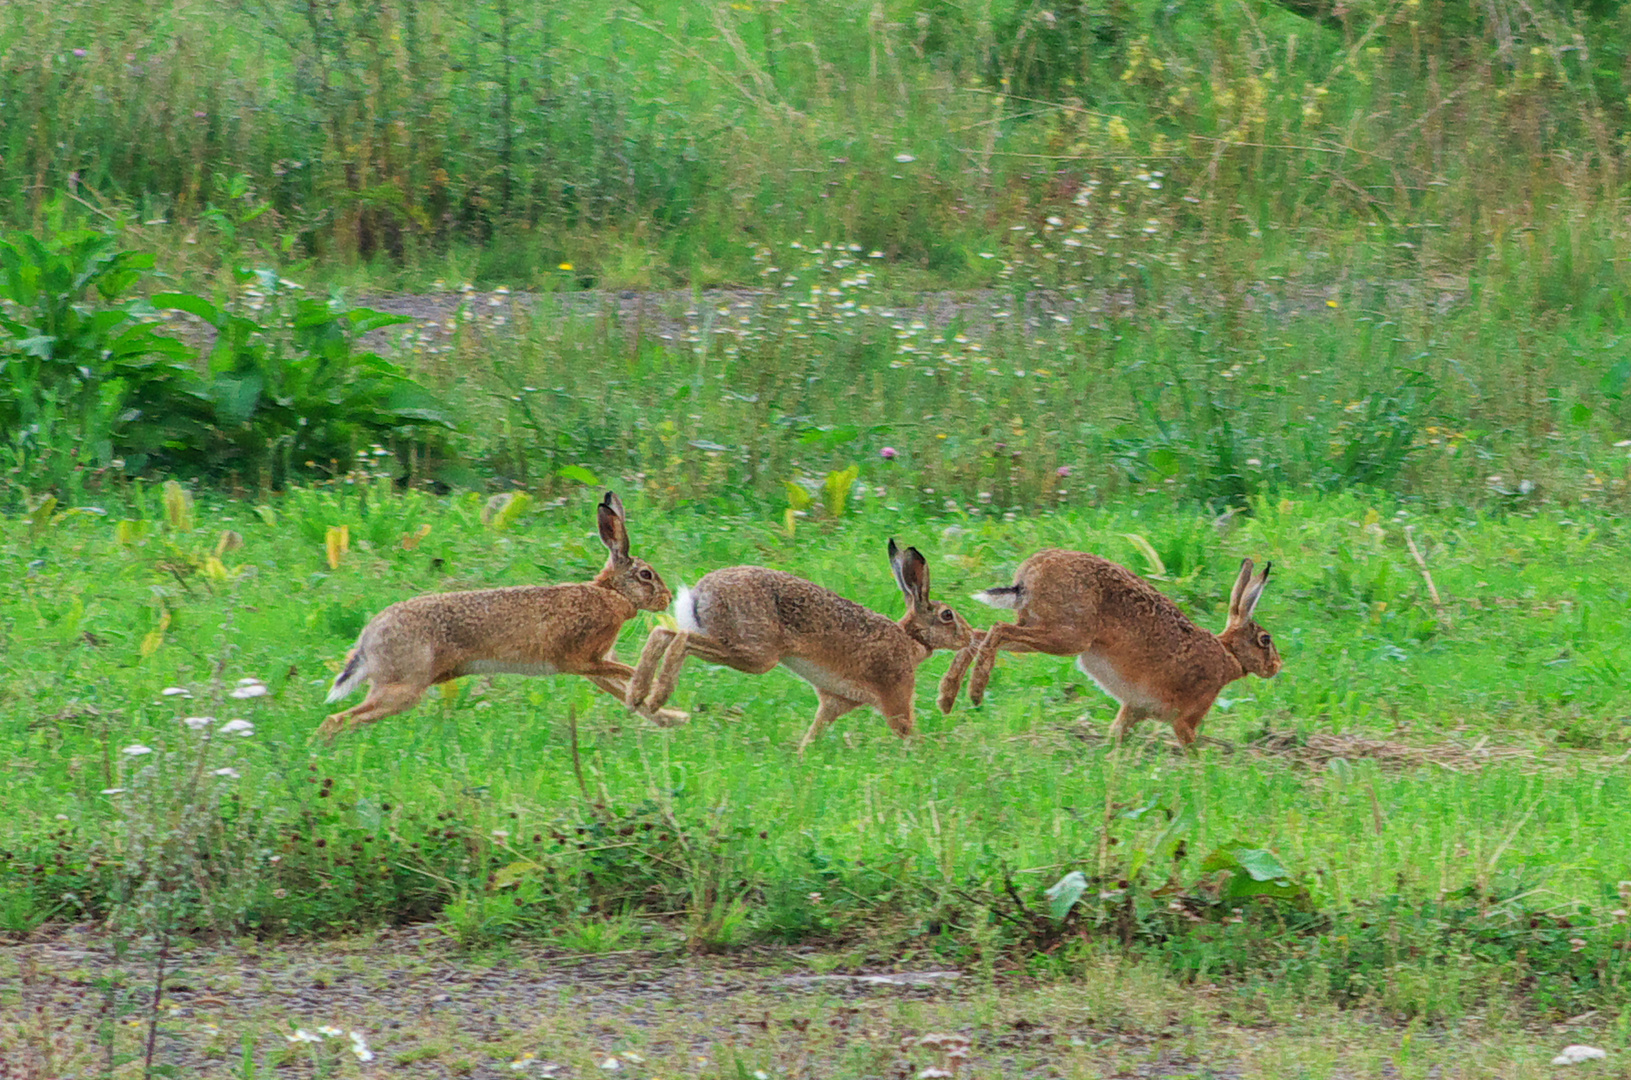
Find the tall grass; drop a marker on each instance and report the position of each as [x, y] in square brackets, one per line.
[1426, 143]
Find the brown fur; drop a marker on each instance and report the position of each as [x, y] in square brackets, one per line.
[523, 630]
[751, 618]
[1132, 640]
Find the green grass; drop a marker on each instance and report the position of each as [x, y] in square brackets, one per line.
[720, 831]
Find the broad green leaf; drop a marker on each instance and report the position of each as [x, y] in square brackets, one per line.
[191, 304]
[797, 497]
[578, 473]
[517, 871]
[1157, 568]
[1064, 893]
[364, 320]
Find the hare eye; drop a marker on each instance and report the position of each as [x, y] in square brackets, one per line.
[946, 615]
[645, 575]
[1263, 639]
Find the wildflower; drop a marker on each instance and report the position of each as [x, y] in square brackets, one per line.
[905, 159]
[611, 1064]
[564, 266]
[249, 690]
[301, 1035]
[136, 750]
[198, 723]
[1062, 471]
[113, 791]
[237, 727]
[328, 1031]
[631, 1057]
[889, 453]
[815, 898]
[229, 772]
[176, 691]
[199, 114]
[81, 53]
[359, 1046]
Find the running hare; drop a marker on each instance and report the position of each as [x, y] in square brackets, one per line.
[1126, 637]
[522, 630]
[751, 619]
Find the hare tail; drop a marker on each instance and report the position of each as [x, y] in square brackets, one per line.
[355, 672]
[1003, 596]
[685, 610]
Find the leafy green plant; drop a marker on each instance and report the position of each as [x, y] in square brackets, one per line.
[297, 391]
[84, 377]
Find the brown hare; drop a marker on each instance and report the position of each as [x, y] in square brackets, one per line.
[1127, 637]
[751, 619]
[522, 630]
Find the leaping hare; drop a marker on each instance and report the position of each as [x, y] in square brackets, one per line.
[1127, 637]
[522, 630]
[751, 618]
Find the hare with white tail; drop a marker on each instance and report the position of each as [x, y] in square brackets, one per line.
[522, 630]
[1127, 637]
[751, 618]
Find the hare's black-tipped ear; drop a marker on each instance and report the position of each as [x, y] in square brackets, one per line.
[609, 516]
[911, 573]
[1254, 593]
[895, 567]
[1238, 593]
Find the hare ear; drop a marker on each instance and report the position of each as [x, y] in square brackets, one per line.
[1238, 593]
[1254, 593]
[613, 533]
[911, 574]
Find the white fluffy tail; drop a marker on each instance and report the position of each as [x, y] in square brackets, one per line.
[353, 676]
[1005, 596]
[685, 611]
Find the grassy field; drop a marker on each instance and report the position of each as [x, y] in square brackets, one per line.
[1337, 285]
[1442, 784]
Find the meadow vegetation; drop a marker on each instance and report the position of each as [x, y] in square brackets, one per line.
[165, 664]
[1337, 285]
[1226, 248]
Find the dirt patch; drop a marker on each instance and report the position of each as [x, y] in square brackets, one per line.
[1455, 755]
[424, 1008]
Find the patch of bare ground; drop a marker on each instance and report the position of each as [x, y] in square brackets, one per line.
[1317, 750]
[424, 1008]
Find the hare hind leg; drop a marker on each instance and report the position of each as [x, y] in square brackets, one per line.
[831, 707]
[384, 699]
[1015, 637]
[619, 689]
[646, 667]
[1127, 718]
[715, 652]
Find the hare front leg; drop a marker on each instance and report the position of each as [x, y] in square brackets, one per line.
[831, 707]
[1187, 725]
[1055, 640]
[384, 699]
[952, 681]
